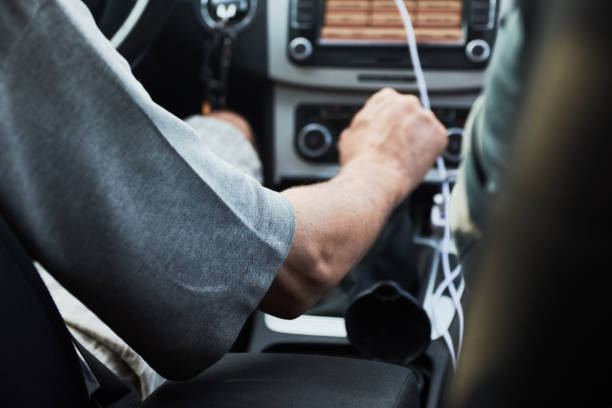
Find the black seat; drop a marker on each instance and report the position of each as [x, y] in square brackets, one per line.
[292, 380]
[40, 366]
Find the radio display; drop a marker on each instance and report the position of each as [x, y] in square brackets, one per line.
[378, 22]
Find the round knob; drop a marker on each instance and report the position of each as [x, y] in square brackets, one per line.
[314, 141]
[300, 48]
[478, 51]
[455, 142]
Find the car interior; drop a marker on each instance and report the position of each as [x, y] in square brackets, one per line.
[298, 71]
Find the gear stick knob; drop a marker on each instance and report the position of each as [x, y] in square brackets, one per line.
[387, 323]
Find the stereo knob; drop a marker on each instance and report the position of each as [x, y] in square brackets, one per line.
[455, 142]
[314, 141]
[300, 48]
[478, 51]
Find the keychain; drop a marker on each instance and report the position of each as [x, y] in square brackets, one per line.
[215, 78]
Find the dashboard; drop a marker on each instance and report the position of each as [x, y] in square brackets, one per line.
[326, 57]
[311, 64]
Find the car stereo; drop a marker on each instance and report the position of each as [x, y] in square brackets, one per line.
[455, 34]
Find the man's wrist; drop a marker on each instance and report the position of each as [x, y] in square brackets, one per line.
[382, 176]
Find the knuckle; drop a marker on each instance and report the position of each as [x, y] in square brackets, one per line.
[405, 105]
[385, 92]
[442, 128]
[431, 117]
[442, 138]
[431, 120]
[410, 102]
[423, 117]
[343, 136]
[388, 94]
[413, 99]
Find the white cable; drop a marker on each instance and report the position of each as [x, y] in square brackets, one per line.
[449, 280]
[414, 54]
[432, 243]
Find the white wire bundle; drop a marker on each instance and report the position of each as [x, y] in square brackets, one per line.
[449, 276]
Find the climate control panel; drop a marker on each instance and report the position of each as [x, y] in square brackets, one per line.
[318, 129]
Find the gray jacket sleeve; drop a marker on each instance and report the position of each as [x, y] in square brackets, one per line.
[122, 202]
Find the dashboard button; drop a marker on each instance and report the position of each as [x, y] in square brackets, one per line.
[314, 141]
[482, 14]
[455, 142]
[303, 14]
[300, 48]
[478, 51]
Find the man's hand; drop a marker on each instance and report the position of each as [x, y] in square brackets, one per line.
[384, 154]
[393, 131]
[237, 121]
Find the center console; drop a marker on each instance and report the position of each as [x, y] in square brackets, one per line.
[326, 57]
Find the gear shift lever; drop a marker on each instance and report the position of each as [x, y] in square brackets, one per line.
[387, 323]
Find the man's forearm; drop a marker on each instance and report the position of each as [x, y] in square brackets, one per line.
[384, 154]
[336, 223]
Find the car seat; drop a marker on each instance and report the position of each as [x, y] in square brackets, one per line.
[42, 367]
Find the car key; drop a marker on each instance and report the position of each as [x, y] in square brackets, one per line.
[215, 80]
[208, 74]
[225, 62]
